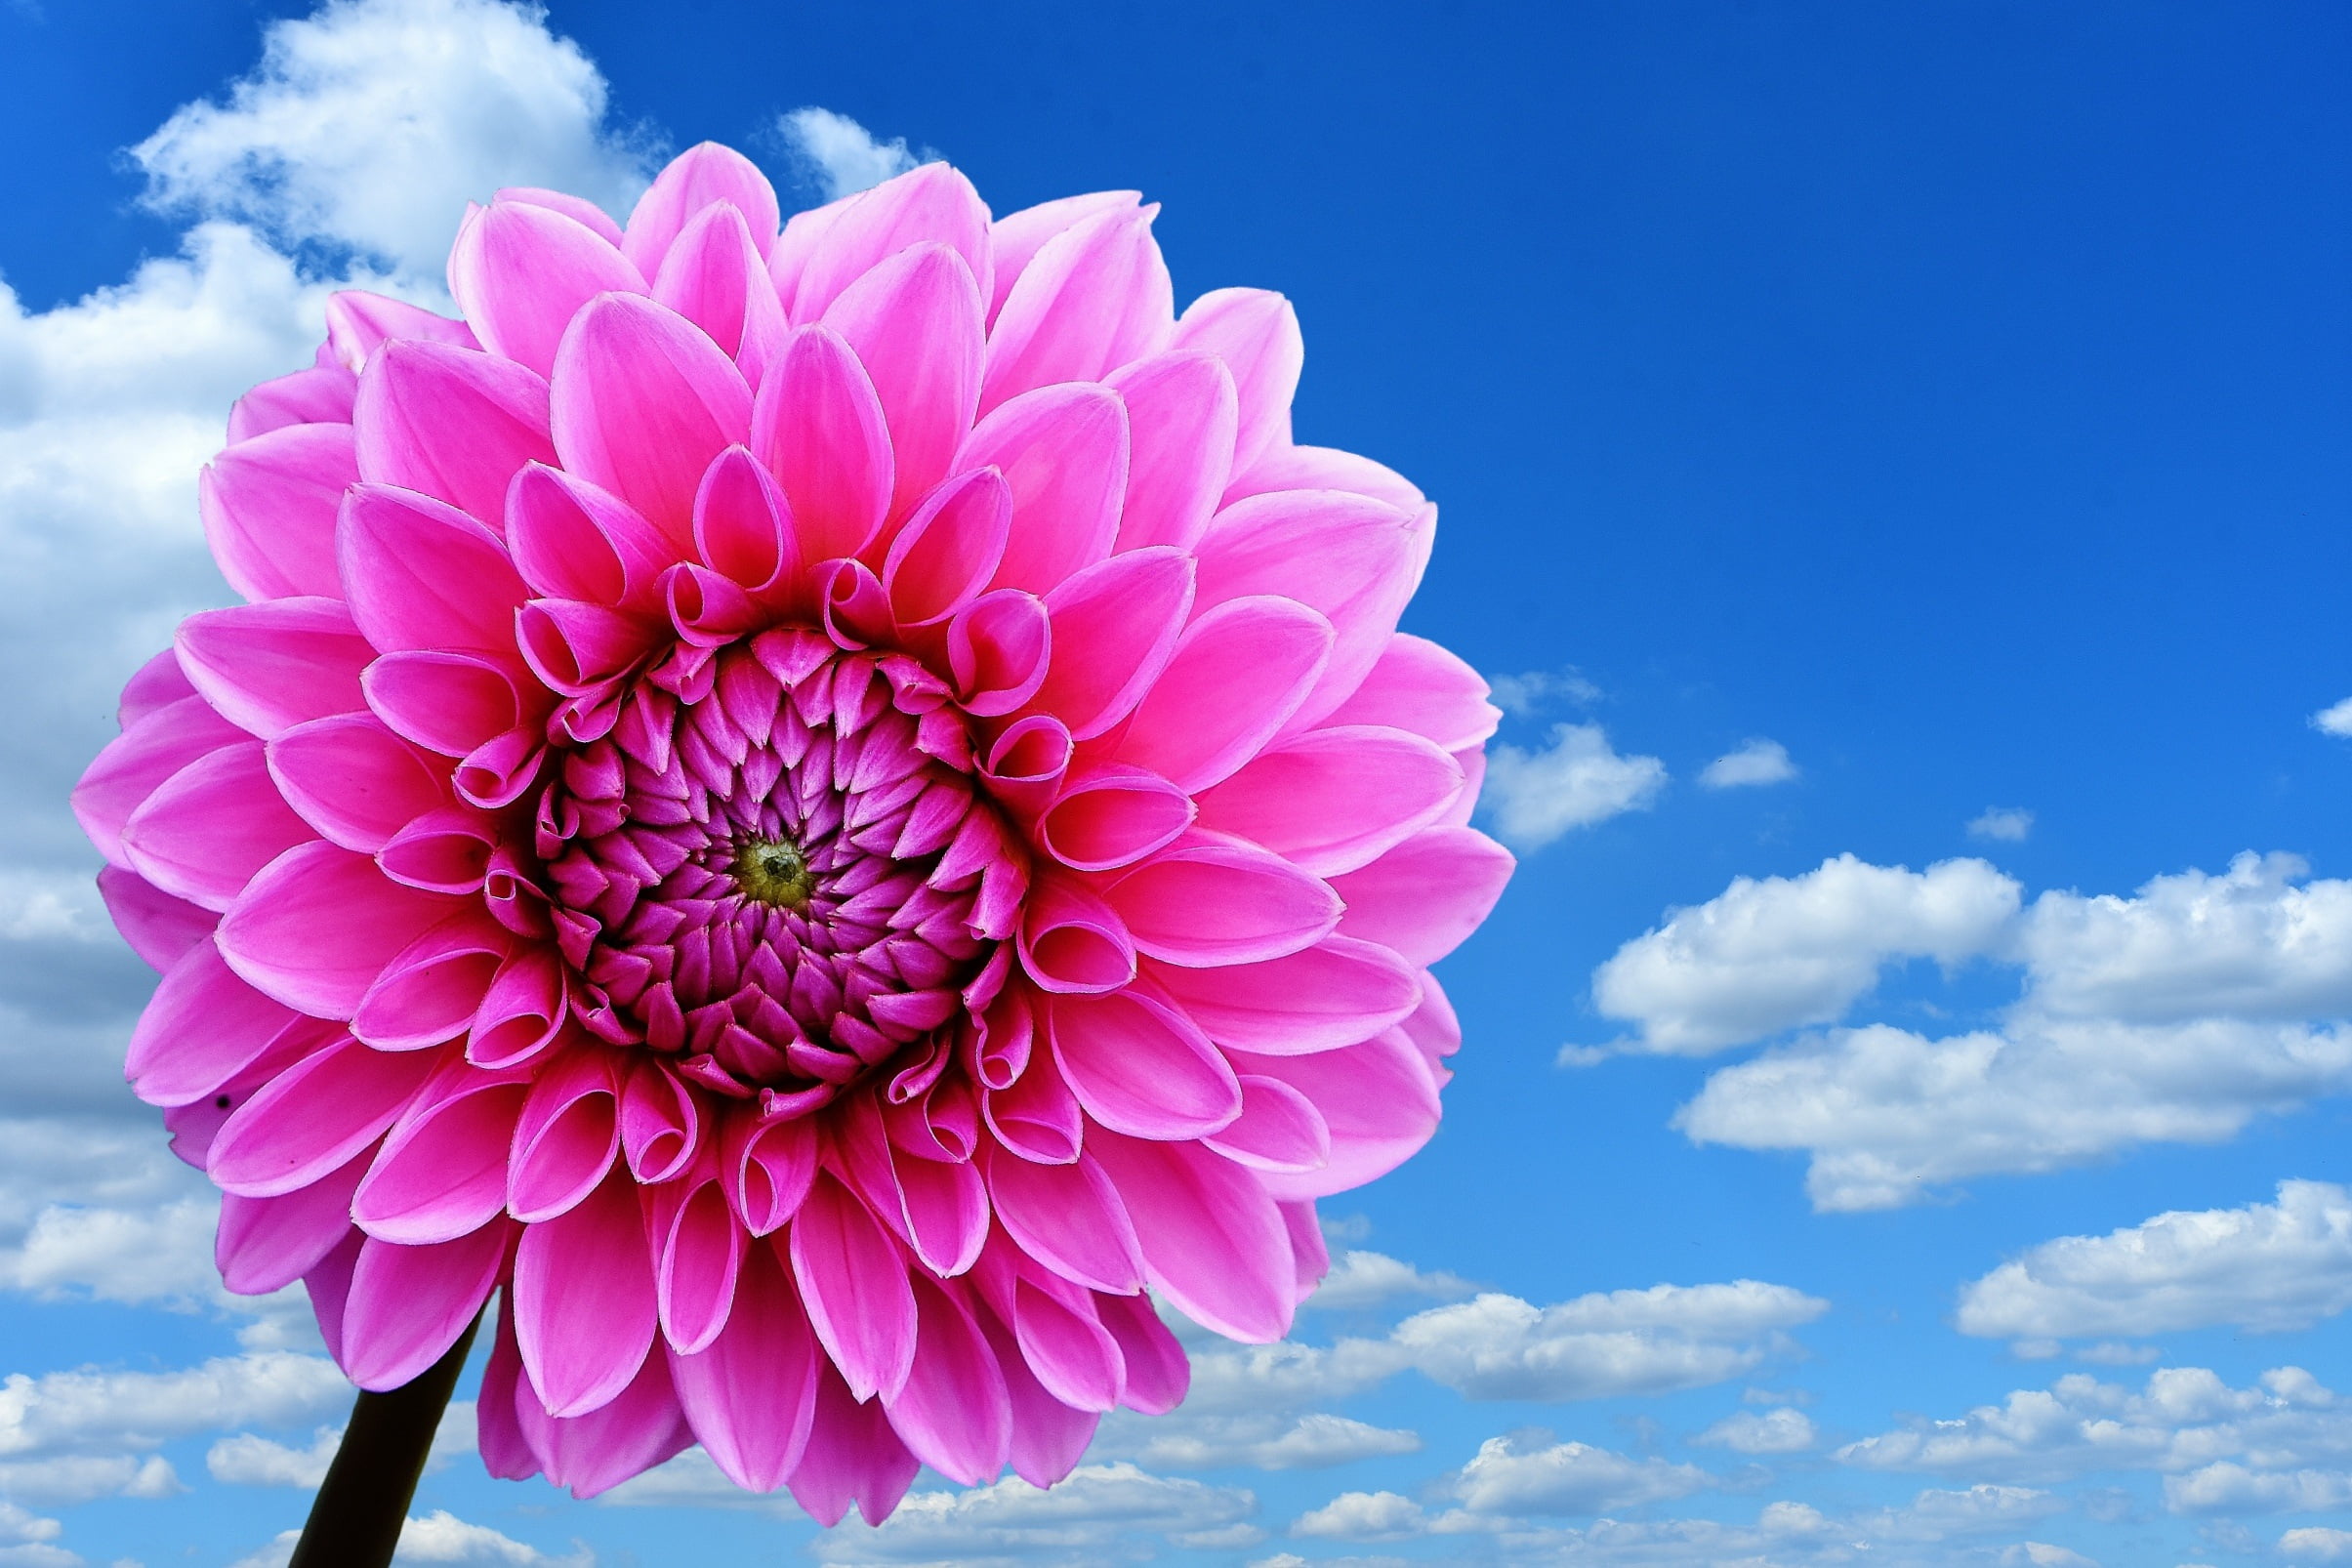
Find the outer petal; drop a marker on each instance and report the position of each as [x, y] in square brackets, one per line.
[1256, 333]
[202, 1028]
[1237, 675]
[320, 395]
[1063, 453]
[752, 1395]
[953, 1412]
[1115, 624]
[1181, 413]
[1017, 238]
[930, 205]
[266, 1243]
[1282, 467]
[318, 926]
[1096, 297]
[268, 506]
[854, 1278]
[359, 323]
[136, 762]
[451, 424]
[1332, 993]
[853, 1456]
[716, 277]
[819, 427]
[442, 1170]
[1214, 1243]
[1332, 800]
[422, 575]
[1378, 1098]
[703, 173]
[158, 928]
[914, 322]
[1417, 686]
[1068, 1217]
[1141, 1067]
[1263, 906]
[268, 667]
[314, 1117]
[354, 781]
[210, 827]
[409, 1304]
[584, 1307]
[1428, 895]
[522, 272]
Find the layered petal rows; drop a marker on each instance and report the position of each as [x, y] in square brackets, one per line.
[824, 813]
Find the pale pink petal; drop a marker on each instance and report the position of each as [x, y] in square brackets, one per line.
[423, 575]
[158, 928]
[320, 395]
[269, 507]
[408, 1305]
[854, 1278]
[1265, 906]
[1237, 675]
[359, 323]
[953, 1412]
[269, 667]
[266, 1243]
[1332, 800]
[210, 827]
[818, 425]
[1428, 895]
[914, 323]
[314, 1116]
[579, 209]
[522, 272]
[932, 205]
[1256, 333]
[1378, 1098]
[202, 1027]
[703, 173]
[136, 762]
[153, 686]
[1141, 1067]
[1096, 297]
[318, 926]
[1282, 467]
[716, 277]
[1417, 686]
[1062, 451]
[1119, 621]
[354, 781]
[1334, 993]
[752, 1394]
[1017, 238]
[1279, 1129]
[1181, 414]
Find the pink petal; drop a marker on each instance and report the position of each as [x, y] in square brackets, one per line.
[1378, 1100]
[423, 575]
[685, 189]
[328, 1283]
[445, 851]
[818, 426]
[268, 667]
[1141, 1067]
[266, 1243]
[1332, 993]
[522, 274]
[1237, 675]
[1157, 1373]
[442, 1170]
[1068, 1217]
[853, 1456]
[1062, 1341]
[314, 1116]
[318, 926]
[744, 528]
[583, 1310]
[914, 322]
[631, 1433]
[1036, 1116]
[136, 762]
[354, 781]
[1094, 296]
[1332, 800]
[1279, 1129]
[953, 1412]
[1017, 238]
[1180, 420]
[429, 991]
[153, 686]
[766, 1167]
[269, 507]
[451, 424]
[523, 1011]
[210, 827]
[1049, 1436]
[1256, 333]
[1428, 895]
[752, 1394]
[359, 323]
[567, 1136]
[949, 547]
[853, 1279]
[202, 1027]
[571, 540]
[1113, 815]
[1026, 762]
[1072, 941]
[451, 703]
[716, 277]
[409, 1304]
[1062, 451]
[702, 1253]
[1116, 624]
[1000, 649]
[320, 395]
[1417, 686]
[1284, 467]
[1313, 1257]
[931, 205]
[1214, 1243]
[1265, 907]
[157, 926]
[643, 401]
[945, 1207]
[579, 209]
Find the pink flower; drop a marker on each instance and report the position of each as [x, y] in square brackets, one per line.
[820, 811]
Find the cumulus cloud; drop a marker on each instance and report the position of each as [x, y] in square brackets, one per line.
[1767, 1432]
[2334, 720]
[1524, 695]
[2316, 1543]
[368, 125]
[1773, 954]
[838, 155]
[2264, 1267]
[440, 1537]
[1361, 1279]
[2177, 1014]
[1101, 1513]
[1316, 1440]
[1756, 763]
[2003, 824]
[1525, 1476]
[1576, 780]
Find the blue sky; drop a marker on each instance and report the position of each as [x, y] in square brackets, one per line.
[1945, 410]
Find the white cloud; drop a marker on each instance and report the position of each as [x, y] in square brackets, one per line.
[2316, 1543]
[1363, 1516]
[440, 1537]
[245, 1460]
[2227, 1486]
[2265, 1268]
[2177, 1014]
[1535, 797]
[1102, 1512]
[369, 125]
[93, 1409]
[1362, 1279]
[1523, 695]
[1771, 1431]
[2335, 720]
[1513, 1475]
[1755, 761]
[1769, 955]
[2003, 824]
[839, 157]
[1316, 1440]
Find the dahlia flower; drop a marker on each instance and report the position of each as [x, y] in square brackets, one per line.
[826, 813]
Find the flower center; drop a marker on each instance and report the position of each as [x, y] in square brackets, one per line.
[772, 872]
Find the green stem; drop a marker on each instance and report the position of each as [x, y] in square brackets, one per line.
[356, 1517]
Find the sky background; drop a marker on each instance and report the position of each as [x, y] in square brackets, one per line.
[1895, 464]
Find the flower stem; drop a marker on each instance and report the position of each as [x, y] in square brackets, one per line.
[356, 1517]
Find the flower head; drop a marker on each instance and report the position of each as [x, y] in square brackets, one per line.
[825, 813]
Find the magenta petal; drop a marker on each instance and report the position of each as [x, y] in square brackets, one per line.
[1282, 467]
[451, 703]
[1312, 1256]
[210, 827]
[1157, 1373]
[853, 1456]
[1214, 1243]
[1062, 1341]
[686, 188]
[752, 1394]
[1180, 420]
[268, 667]
[202, 1027]
[1418, 686]
[1332, 993]
[153, 686]
[1113, 815]
[1068, 1217]
[1094, 296]
[930, 205]
[505, 1452]
[571, 540]
[149, 750]
[1017, 238]
[442, 1170]
[625, 1437]
[522, 272]
[1141, 1067]
[953, 1412]
[744, 528]
[567, 1136]
[269, 507]
[320, 395]
[766, 1167]
[1428, 895]
[359, 323]
[314, 1117]
[1000, 649]
[1332, 800]
[451, 424]
[1256, 333]
[1237, 675]
[354, 781]
[914, 322]
[1117, 622]
[158, 928]
[644, 399]
[409, 1304]
[266, 1243]
[318, 926]
[1265, 906]
[854, 1278]
[949, 547]
[702, 1253]
[1062, 451]
[716, 277]
[1037, 1117]
[584, 1306]
[579, 209]
[1071, 940]
[1378, 1098]
[327, 1283]
[1279, 1129]
[818, 426]
[424, 575]
[1049, 1436]
[945, 1207]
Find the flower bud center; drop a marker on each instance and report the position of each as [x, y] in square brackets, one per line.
[772, 872]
